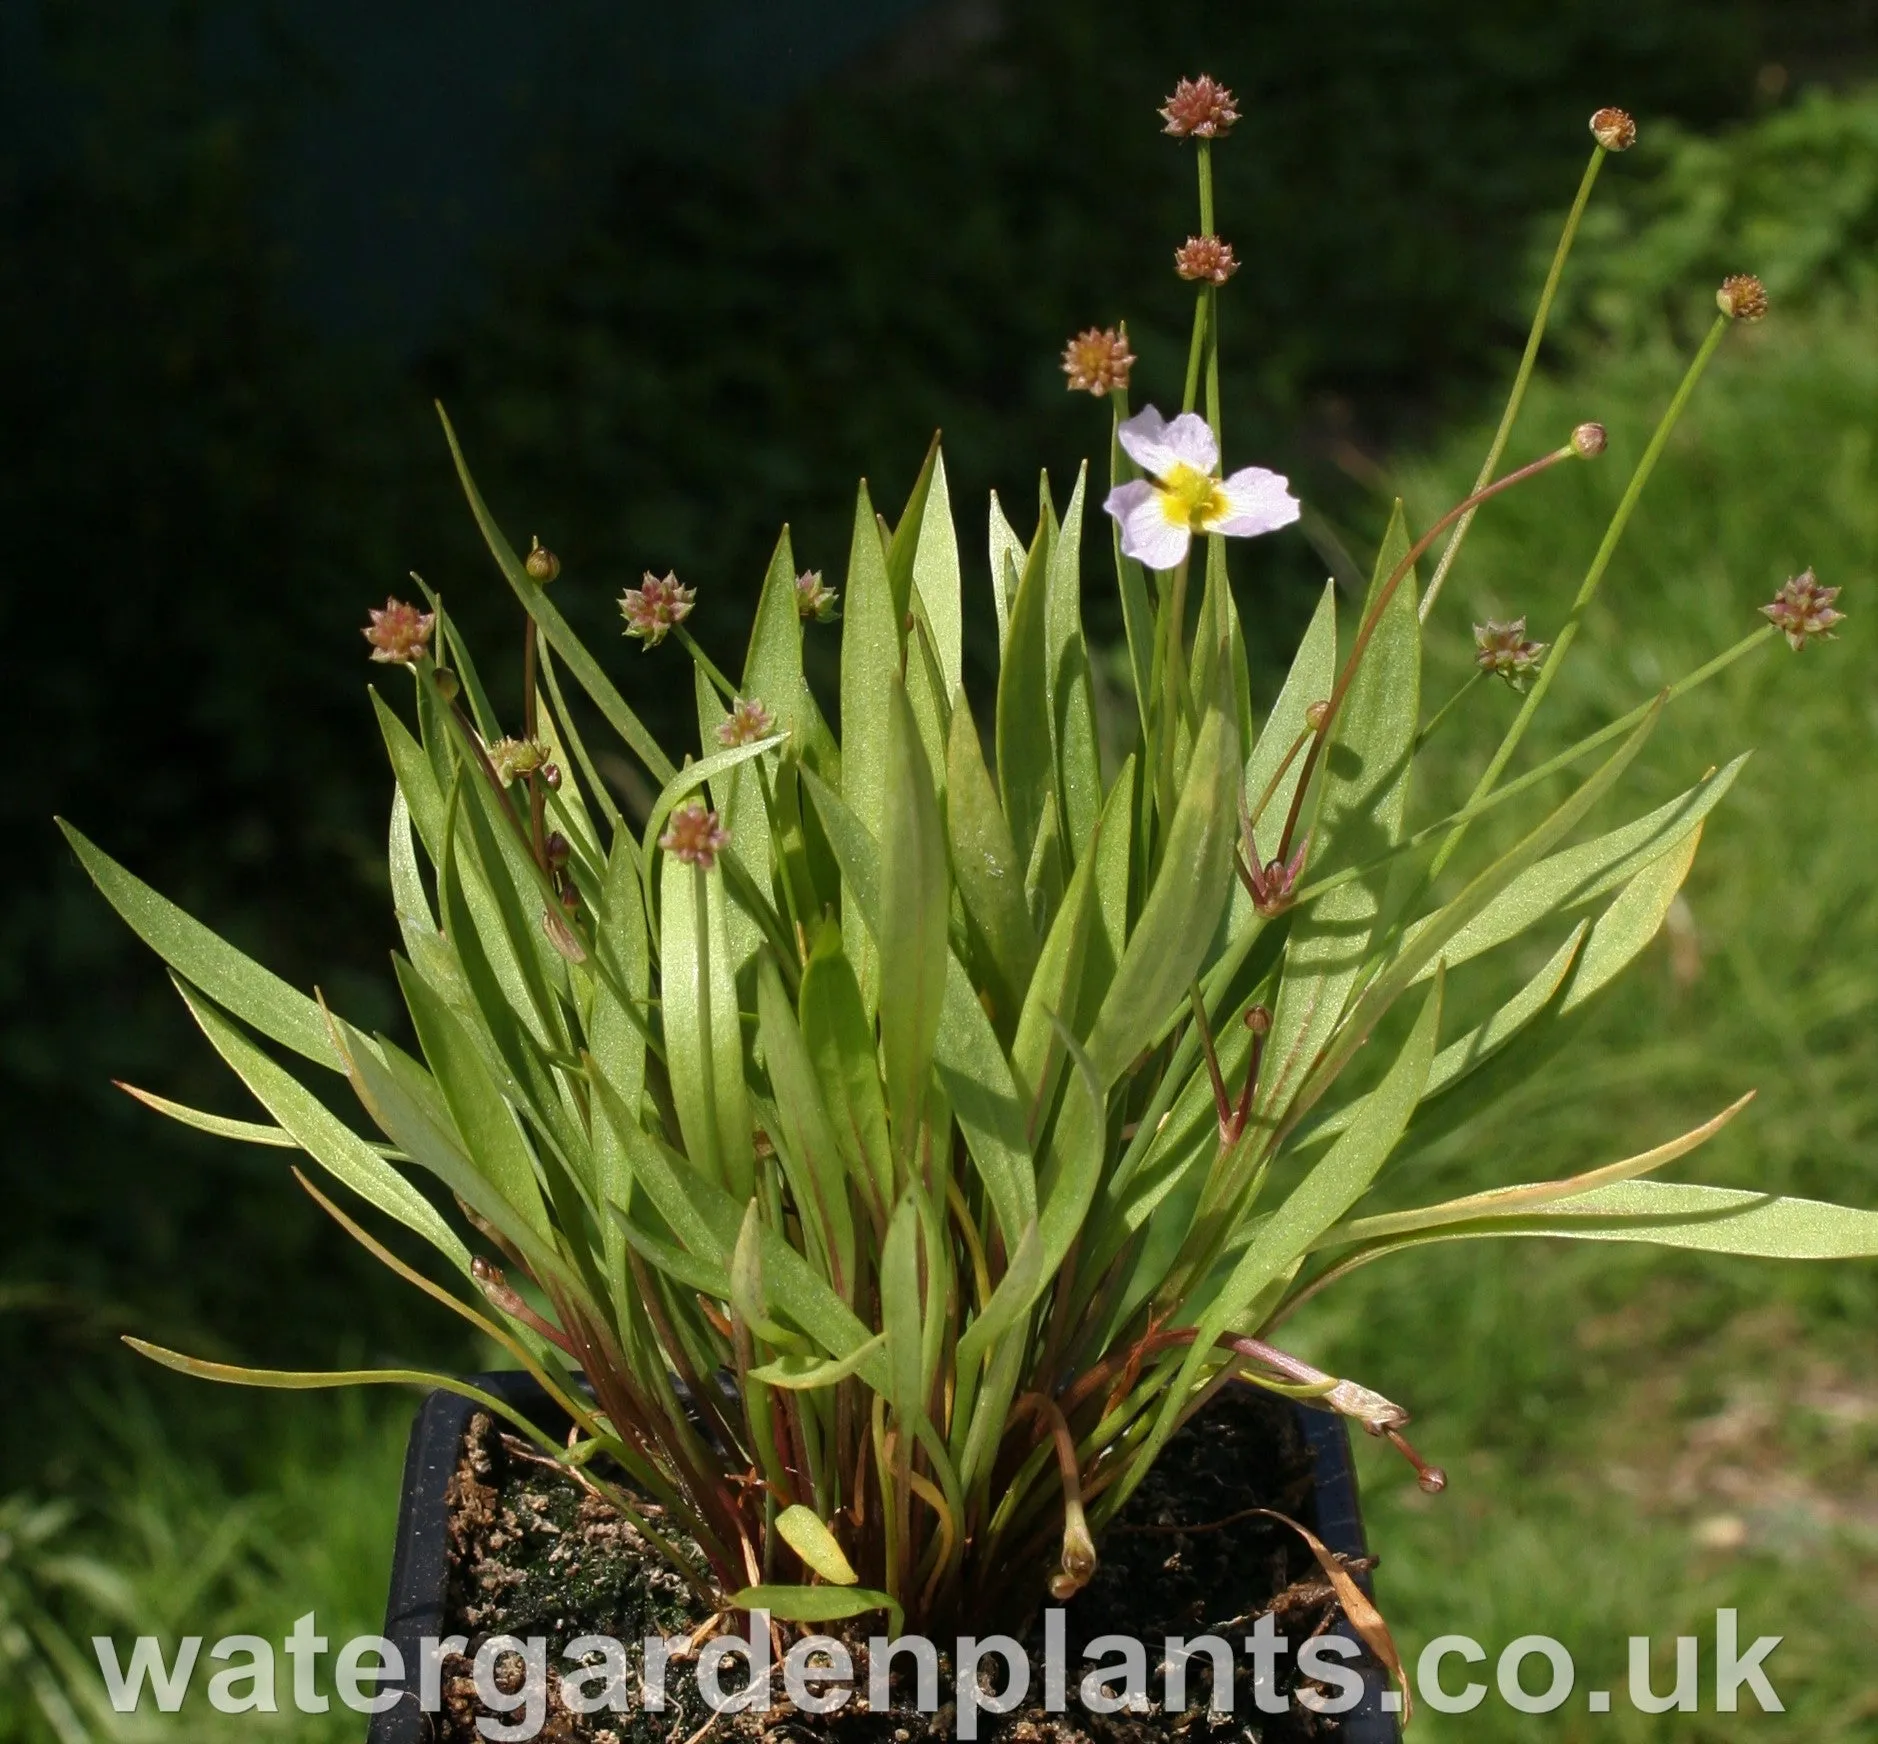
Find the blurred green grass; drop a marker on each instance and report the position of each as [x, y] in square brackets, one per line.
[1633, 1439]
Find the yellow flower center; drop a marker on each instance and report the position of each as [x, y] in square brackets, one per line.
[1191, 498]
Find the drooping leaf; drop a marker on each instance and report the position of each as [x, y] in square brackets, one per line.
[233, 981]
[555, 627]
[818, 1604]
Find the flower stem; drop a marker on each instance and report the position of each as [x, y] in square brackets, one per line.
[1587, 589]
[1196, 349]
[1374, 616]
[1442, 713]
[705, 663]
[1531, 356]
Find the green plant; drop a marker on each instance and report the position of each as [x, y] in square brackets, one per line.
[974, 1119]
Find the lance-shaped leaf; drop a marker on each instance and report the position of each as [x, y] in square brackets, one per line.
[1072, 698]
[1364, 798]
[1055, 989]
[772, 669]
[703, 1033]
[682, 785]
[555, 627]
[810, 1153]
[1007, 564]
[818, 1604]
[1405, 968]
[936, 577]
[988, 873]
[1132, 584]
[235, 982]
[915, 906]
[322, 1135]
[1183, 908]
[1324, 1195]
[801, 1374]
[1582, 873]
[805, 1532]
[840, 1043]
[1026, 729]
[969, 1061]
[616, 1029]
[485, 1124]
[872, 645]
[902, 1308]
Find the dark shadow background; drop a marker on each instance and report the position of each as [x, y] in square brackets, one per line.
[680, 274]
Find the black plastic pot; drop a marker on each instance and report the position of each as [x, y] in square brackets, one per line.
[420, 1567]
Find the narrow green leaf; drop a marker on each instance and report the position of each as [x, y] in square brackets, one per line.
[915, 909]
[872, 645]
[322, 1135]
[804, 1531]
[1132, 584]
[819, 1604]
[801, 1374]
[1182, 910]
[1583, 873]
[840, 1043]
[559, 632]
[1026, 729]
[1360, 813]
[1055, 989]
[682, 785]
[902, 1308]
[969, 1060]
[989, 875]
[233, 981]
[703, 1034]
[1072, 696]
[903, 548]
[485, 1124]
[936, 578]
[1043, 877]
[1007, 562]
[811, 1155]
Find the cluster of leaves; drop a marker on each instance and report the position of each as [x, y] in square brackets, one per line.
[904, 1148]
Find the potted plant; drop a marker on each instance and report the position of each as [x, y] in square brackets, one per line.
[890, 1158]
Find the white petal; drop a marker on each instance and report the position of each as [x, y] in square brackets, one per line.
[1190, 440]
[1148, 536]
[1140, 437]
[1257, 501]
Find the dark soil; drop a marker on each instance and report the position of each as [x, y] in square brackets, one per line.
[534, 1555]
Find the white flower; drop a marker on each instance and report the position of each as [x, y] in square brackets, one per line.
[1182, 496]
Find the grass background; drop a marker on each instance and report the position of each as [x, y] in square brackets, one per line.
[1632, 1439]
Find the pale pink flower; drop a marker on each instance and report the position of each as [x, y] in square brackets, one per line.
[1183, 494]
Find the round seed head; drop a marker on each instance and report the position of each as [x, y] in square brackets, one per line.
[543, 565]
[1205, 257]
[1742, 297]
[1200, 108]
[1613, 129]
[1588, 441]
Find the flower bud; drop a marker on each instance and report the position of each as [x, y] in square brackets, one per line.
[1200, 108]
[1588, 441]
[695, 836]
[655, 606]
[400, 634]
[747, 722]
[815, 598]
[1803, 610]
[543, 565]
[1317, 714]
[1259, 1020]
[1098, 360]
[557, 848]
[551, 774]
[1205, 257]
[1742, 297]
[1613, 129]
[447, 686]
[1503, 650]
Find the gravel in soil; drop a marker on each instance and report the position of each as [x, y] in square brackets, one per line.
[533, 1554]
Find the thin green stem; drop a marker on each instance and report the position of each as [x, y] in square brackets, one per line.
[1196, 349]
[1212, 368]
[1373, 616]
[1588, 588]
[1476, 808]
[707, 1066]
[1447, 708]
[706, 664]
[1526, 363]
[1204, 162]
